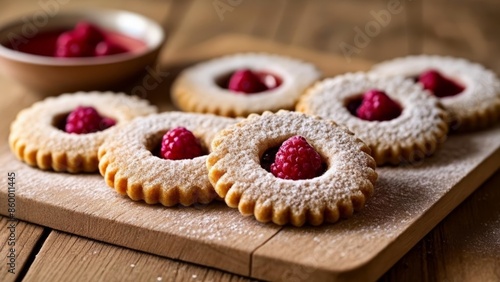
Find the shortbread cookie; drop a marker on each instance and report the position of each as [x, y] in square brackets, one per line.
[237, 169]
[401, 122]
[38, 135]
[259, 82]
[130, 159]
[471, 92]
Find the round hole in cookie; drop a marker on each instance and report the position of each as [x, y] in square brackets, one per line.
[59, 121]
[266, 80]
[268, 155]
[153, 143]
[352, 103]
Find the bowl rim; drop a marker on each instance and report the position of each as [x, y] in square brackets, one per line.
[81, 61]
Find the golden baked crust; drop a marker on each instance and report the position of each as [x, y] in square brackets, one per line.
[196, 90]
[415, 134]
[478, 106]
[236, 173]
[128, 165]
[35, 139]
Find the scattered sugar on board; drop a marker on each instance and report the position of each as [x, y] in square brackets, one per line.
[213, 225]
[401, 195]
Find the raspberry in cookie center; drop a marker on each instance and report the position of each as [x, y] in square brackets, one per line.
[295, 159]
[247, 81]
[438, 84]
[180, 143]
[374, 105]
[84, 120]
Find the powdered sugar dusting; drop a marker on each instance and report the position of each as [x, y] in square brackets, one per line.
[482, 87]
[48, 139]
[238, 150]
[402, 199]
[421, 121]
[203, 94]
[128, 156]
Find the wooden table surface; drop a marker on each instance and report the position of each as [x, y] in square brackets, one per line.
[463, 247]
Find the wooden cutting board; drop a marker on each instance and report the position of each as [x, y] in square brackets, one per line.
[409, 200]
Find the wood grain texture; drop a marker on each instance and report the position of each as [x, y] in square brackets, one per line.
[463, 247]
[368, 26]
[409, 201]
[25, 240]
[66, 257]
[469, 32]
[464, 28]
[212, 235]
[157, 10]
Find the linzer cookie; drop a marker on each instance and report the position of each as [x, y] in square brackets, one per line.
[396, 118]
[469, 92]
[64, 133]
[289, 167]
[240, 84]
[161, 158]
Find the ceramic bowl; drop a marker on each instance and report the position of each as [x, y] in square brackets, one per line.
[52, 75]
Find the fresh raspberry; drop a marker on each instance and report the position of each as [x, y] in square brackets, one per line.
[246, 81]
[92, 34]
[180, 143]
[376, 105]
[86, 40]
[439, 85]
[296, 159]
[71, 45]
[86, 120]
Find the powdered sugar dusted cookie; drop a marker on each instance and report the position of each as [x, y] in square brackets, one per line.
[240, 84]
[289, 167]
[161, 158]
[468, 91]
[64, 133]
[396, 118]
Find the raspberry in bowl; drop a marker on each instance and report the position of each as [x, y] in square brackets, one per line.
[80, 50]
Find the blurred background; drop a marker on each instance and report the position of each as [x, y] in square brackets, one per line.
[365, 29]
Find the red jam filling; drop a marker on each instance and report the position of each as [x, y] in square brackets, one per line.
[85, 40]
